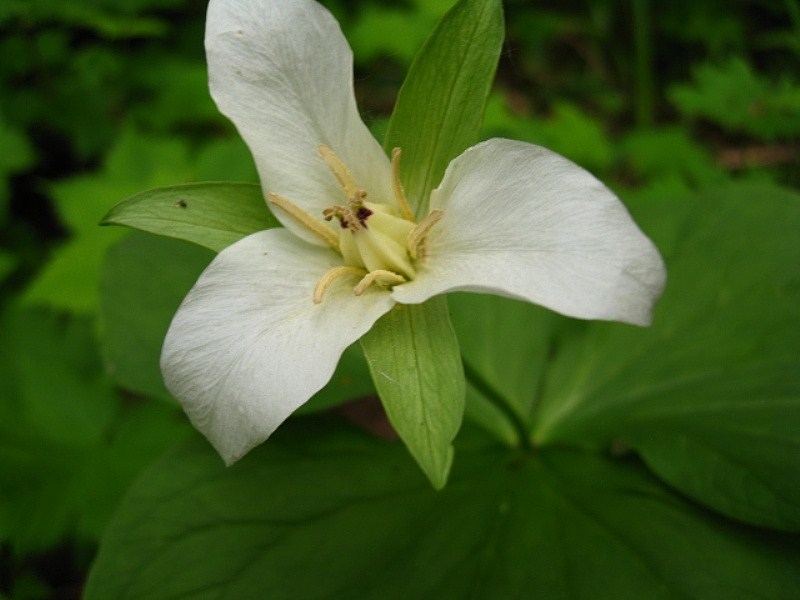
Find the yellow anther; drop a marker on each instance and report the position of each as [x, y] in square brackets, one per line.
[380, 277]
[315, 226]
[342, 173]
[416, 236]
[397, 186]
[331, 276]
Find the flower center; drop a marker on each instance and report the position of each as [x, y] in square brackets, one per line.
[378, 242]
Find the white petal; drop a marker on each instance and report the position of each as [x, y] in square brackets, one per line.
[522, 221]
[282, 71]
[248, 346]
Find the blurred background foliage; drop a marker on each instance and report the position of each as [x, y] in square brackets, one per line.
[105, 98]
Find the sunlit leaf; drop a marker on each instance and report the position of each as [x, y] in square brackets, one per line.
[739, 99]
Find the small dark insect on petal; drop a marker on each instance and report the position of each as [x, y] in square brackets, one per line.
[181, 203]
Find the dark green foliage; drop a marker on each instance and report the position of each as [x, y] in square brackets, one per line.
[695, 120]
[353, 511]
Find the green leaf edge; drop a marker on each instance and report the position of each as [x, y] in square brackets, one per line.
[418, 198]
[436, 464]
[257, 220]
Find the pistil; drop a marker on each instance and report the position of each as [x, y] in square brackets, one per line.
[377, 242]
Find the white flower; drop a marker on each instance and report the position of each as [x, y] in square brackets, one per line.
[266, 323]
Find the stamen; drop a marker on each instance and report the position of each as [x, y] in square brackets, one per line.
[342, 173]
[331, 276]
[381, 277]
[397, 186]
[353, 216]
[306, 220]
[417, 235]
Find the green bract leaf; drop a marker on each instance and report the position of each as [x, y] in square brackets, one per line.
[440, 107]
[214, 214]
[69, 280]
[709, 395]
[413, 355]
[412, 352]
[558, 524]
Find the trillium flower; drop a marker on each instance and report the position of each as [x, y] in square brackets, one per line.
[265, 325]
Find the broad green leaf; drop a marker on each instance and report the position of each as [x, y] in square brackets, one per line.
[212, 214]
[709, 395]
[412, 353]
[324, 512]
[69, 447]
[507, 345]
[53, 379]
[350, 381]
[440, 107]
[143, 281]
[484, 410]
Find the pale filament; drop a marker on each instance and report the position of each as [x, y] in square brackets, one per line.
[397, 186]
[315, 226]
[331, 276]
[353, 219]
[342, 173]
[380, 277]
[416, 236]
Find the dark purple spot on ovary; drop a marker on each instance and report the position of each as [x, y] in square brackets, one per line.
[363, 214]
